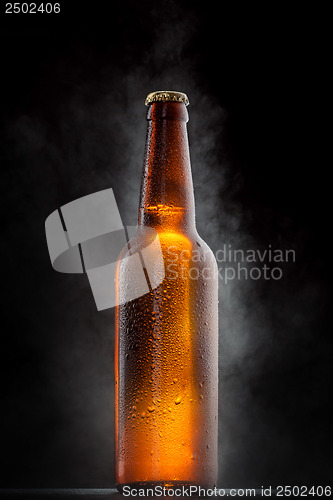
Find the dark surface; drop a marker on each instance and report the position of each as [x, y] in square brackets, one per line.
[62, 493]
[56, 494]
[92, 494]
[73, 122]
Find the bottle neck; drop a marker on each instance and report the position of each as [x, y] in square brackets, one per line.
[167, 199]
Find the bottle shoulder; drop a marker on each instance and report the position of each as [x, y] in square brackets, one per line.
[153, 242]
[203, 252]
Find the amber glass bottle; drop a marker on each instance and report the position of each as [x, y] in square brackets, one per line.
[166, 353]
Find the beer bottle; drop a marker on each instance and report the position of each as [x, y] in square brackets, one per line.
[166, 350]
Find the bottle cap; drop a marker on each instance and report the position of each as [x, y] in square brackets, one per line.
[167, 95]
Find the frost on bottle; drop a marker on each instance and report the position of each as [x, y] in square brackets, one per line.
[166, 352]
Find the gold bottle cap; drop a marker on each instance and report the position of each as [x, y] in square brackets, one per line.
[167, 95]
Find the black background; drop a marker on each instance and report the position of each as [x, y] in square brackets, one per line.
[72, 100]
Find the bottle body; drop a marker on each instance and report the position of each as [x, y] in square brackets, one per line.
[166, 357]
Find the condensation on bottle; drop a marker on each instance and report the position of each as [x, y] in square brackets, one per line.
[166, 348]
